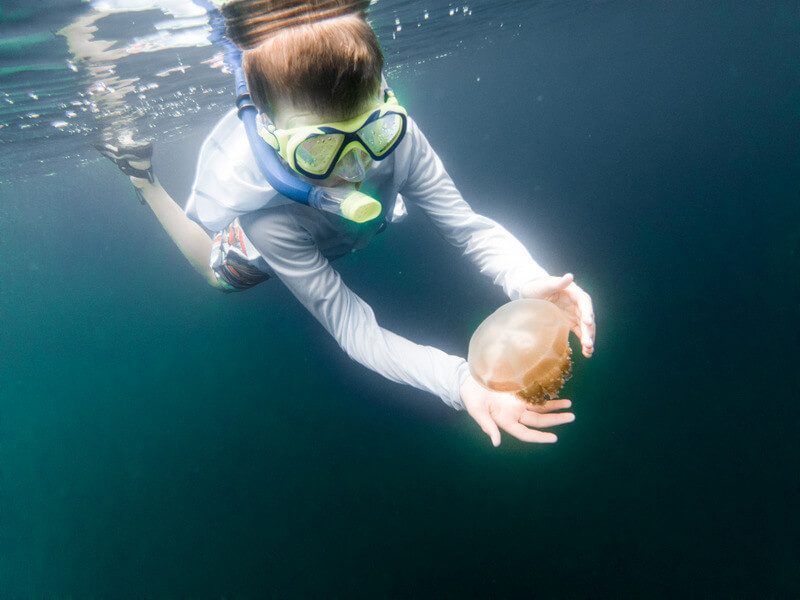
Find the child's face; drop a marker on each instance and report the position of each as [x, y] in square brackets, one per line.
[351, 167]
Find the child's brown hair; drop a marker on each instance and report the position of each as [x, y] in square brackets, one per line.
[322, 55]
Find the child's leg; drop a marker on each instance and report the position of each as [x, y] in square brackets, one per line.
[235, 264]
[133, 159]
[191, 239]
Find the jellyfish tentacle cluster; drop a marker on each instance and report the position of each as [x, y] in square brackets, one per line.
[522, 348]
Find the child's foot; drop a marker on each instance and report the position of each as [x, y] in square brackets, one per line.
[132, 158]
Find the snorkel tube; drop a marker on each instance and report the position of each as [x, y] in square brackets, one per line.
[345, 202]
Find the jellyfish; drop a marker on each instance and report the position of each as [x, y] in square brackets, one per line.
[522, 348]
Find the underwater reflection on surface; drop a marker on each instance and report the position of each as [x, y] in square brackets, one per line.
[70, 70]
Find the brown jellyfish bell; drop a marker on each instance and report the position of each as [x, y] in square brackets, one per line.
[522, 348]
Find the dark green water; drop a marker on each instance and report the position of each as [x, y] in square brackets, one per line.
[160, 440]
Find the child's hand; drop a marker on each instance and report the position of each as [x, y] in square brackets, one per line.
[497, 410]
[569, 297]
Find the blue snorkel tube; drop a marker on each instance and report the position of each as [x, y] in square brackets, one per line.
[345, 202]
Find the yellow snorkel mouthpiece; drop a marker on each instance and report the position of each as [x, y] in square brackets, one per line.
[346, 202]
[359, 207]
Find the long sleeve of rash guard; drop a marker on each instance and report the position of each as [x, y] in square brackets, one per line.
[496, 253]
[295, 258]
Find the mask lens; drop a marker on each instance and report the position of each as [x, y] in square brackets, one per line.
[353, 166]
[315, 154]
[382, 133]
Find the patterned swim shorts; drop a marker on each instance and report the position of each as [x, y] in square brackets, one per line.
[235, 261]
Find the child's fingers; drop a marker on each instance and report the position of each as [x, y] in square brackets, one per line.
[519, 431]
[587, 334]
[587, 341]
[588, 325]
[582, 317]
[559, 284]
[489, 427]
[534, 419]
[544, 287]
[551, 405]
[564, 281]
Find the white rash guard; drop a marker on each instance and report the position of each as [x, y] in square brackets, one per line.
[297, 243]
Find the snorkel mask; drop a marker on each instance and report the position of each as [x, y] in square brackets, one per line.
[344, 149]
[316, 151]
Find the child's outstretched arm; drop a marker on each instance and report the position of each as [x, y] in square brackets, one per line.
[493, 250]
[296, 260]
[293, 256]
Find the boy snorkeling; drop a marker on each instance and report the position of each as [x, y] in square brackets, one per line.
[313, 70]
